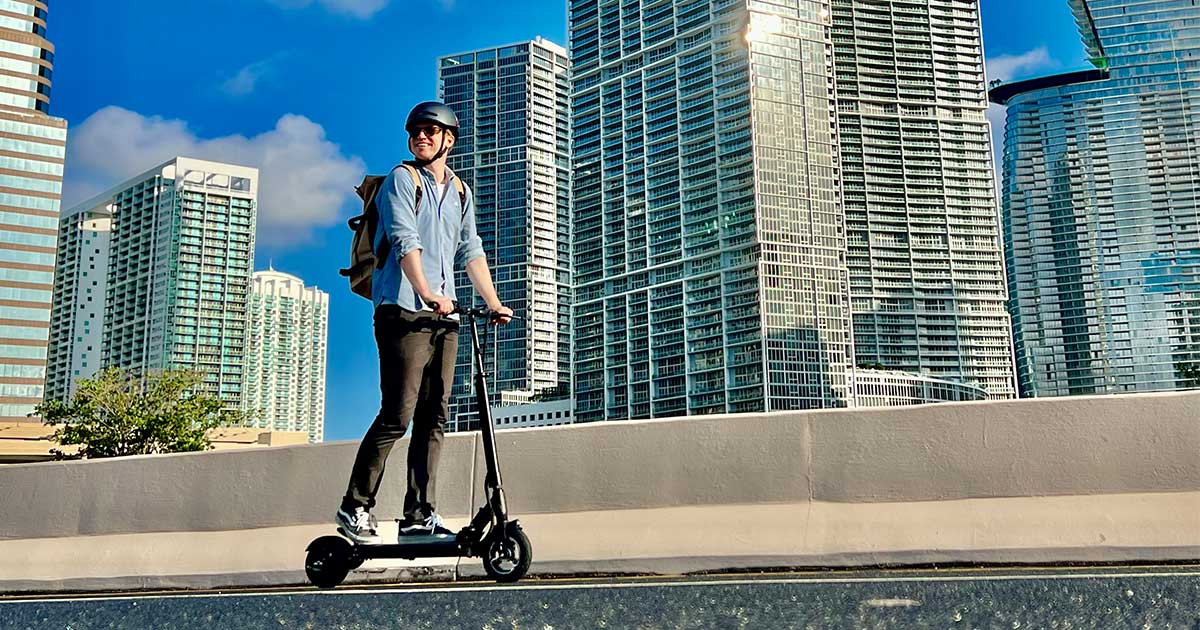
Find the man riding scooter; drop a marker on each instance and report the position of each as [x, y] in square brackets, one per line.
[413, 293]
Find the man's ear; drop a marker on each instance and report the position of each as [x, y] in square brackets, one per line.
[450, 140]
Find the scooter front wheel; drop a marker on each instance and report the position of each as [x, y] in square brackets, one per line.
[508, 555]
[329, 561]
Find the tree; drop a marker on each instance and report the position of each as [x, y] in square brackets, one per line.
[1189, 375]
[875, 365]
[558, 392]
[122, 413]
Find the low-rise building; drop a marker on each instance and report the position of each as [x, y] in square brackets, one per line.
[891, 388]
[30, 442]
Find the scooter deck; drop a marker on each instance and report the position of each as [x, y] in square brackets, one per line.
[410, 547]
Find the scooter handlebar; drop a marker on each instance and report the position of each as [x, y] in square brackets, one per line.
[486, 314]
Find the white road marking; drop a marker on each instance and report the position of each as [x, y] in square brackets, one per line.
[766, 579]
[892, 603]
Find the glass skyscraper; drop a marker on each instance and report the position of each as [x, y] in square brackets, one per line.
[177, 274]
[926, 265]
[32, 146]
[513, 107]
[1101, 207]
[709, 240]
[286, 348]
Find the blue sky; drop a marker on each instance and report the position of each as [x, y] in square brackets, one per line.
[314, 92]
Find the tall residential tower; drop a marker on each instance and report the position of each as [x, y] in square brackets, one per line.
[286, 348]
[1101, 207]
[512, 103]
[177, 274]
[926, 267]
[709, 240]
[32, 147]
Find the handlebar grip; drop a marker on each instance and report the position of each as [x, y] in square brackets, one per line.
[493, 315]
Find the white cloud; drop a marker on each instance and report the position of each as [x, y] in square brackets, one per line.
[361, 9]
[304, 179]
[247, 79]
[1008, 67]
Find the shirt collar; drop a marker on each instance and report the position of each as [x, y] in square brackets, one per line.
[450, 175]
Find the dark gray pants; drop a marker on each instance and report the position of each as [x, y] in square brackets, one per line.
[417, 352]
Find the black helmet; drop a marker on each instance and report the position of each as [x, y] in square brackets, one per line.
[434, 112]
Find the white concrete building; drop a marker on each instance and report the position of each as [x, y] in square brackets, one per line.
[512, 103]
[535, 414]
[177, 274]
[286, 350]
[76, 328]
[926, 267]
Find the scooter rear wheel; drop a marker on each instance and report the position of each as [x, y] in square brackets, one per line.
[329, 561]
[508, 555]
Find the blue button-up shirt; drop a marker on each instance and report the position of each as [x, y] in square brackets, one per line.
[441, 229]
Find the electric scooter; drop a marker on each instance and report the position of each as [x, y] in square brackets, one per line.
[491, 535]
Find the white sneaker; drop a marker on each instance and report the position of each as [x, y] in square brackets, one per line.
[358, 526]
[432, 525]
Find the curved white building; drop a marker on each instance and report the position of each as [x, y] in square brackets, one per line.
[892, 388]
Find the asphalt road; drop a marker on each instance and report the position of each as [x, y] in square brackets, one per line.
[1146, 597]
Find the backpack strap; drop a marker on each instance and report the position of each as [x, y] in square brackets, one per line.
[386, 246]
[416, 177]
[462, 194]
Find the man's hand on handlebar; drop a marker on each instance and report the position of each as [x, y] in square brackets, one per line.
[440, 304]
[501, 314]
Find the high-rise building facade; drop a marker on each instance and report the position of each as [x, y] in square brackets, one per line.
[80, 282]
[1101, 207]
[926, 266]
[709, 241]
[180, 255]
[286, 350]
[513, 107]
[32, 147]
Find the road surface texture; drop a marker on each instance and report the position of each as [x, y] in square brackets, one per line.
[1014, 598]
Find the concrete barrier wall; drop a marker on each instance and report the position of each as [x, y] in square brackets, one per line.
[1057, 447]
[1048, 447]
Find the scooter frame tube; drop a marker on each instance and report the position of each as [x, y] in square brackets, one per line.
[482, 402]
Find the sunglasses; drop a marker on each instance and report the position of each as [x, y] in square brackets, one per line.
[429, 131]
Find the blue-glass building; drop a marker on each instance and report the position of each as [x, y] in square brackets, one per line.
[1101, 207]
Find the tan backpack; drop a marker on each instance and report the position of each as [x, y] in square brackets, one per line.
[364, 260]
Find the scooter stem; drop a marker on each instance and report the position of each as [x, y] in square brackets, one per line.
[483, 405]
